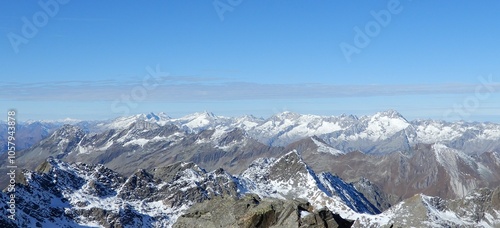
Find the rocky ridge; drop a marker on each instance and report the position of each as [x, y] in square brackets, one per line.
[253, 211]
[282, 192]
[74, 195]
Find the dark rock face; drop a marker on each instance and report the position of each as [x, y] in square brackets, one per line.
[495, 199]
[324, 218]
[125, 217]
[330, 219]
[288, 167]
[252, 211]
[374, 194]
[141, 185]
[171, 172]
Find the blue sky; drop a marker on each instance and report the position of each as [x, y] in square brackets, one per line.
[90, 59]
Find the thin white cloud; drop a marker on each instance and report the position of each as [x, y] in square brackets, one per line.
[181, 89]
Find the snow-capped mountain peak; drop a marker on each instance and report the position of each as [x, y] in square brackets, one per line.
[290, 177]
[157, 117]
[286, 115]
[324, 147]
[385, 124]
[390, 114]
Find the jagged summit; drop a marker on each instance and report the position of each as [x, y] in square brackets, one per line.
[68, 130]
[294, 156]
[204, 114]
[289, 176]
[158, 116]
[348, 117]
[286, 115]
[390, 113]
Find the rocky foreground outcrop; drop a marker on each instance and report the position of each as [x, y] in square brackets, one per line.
[252, 211]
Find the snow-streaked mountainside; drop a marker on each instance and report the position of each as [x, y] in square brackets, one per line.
[58, 194]
[478, 209]
[73, 195]
[382, 132]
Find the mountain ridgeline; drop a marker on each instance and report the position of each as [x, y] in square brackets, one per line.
[356, 171]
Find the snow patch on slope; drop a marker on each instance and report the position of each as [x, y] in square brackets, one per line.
[451, 159]
[325, 148]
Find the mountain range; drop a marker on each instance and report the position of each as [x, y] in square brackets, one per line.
[364, 171]
[58, 194]
[383, 132]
